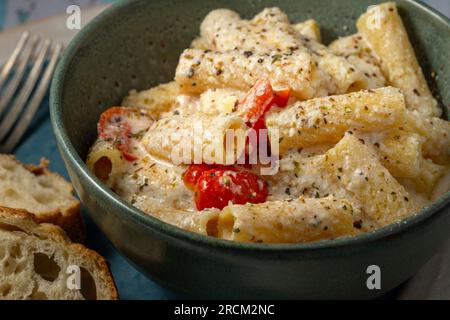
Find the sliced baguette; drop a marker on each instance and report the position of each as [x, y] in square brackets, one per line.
[35, 260]
[45, 194]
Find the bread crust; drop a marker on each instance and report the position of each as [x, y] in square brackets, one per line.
[21, 220]
[67, 217]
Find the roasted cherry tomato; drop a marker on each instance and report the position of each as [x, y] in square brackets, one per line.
[217, 187]
[255, 105]
[257, 100]
[113, 124]
[260, 99]
[194, 171]
[259, 124]
[111, 121]
[281, 97]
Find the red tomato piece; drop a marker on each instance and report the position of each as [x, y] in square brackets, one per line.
[113, 124]
[256, 102]
[111, 121]
[194, 171]
[260, 99]
[281, 97]
[217, 187]
[252, 146]
[259, 124]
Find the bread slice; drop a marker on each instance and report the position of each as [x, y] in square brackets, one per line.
[38, 261]
[47, 195]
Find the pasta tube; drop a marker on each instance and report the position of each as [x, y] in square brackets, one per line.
[156, 100]
[199, 71]
[204, 222]
[382, 199]
[270, 31]
[197, 139]
[224, 30]
[429, 176]
[400, 152]
[295, 220]
[105, 161]
[309, 28]
[219, 101]
[326, 119]
[346, 77]
[357, 52]
[436, 132]
[383, 28]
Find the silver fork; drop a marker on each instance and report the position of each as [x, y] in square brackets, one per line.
[21, 96]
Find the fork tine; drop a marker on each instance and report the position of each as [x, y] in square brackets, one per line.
[36, 100]
[22, 98]
[18, 75]
[13, 58]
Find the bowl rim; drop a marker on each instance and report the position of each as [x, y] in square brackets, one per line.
[148, 221]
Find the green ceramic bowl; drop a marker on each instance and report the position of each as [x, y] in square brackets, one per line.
[136, 44]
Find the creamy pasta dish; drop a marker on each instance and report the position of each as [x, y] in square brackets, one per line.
[267, 135]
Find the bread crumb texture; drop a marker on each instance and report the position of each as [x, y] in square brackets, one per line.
[39, 262]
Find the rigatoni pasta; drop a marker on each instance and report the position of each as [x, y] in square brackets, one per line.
[270, 32]
[326, 119]
[383, 200]
[268, 136]
[400, 152]
[345, 76]
[436, 132]
[200, 70]
[358, 52]
[224, 30]
[157, 100]
[193, 140]
[296, 220]
[383, 29]
[105, 161]
[428, 178]
[309, 28]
